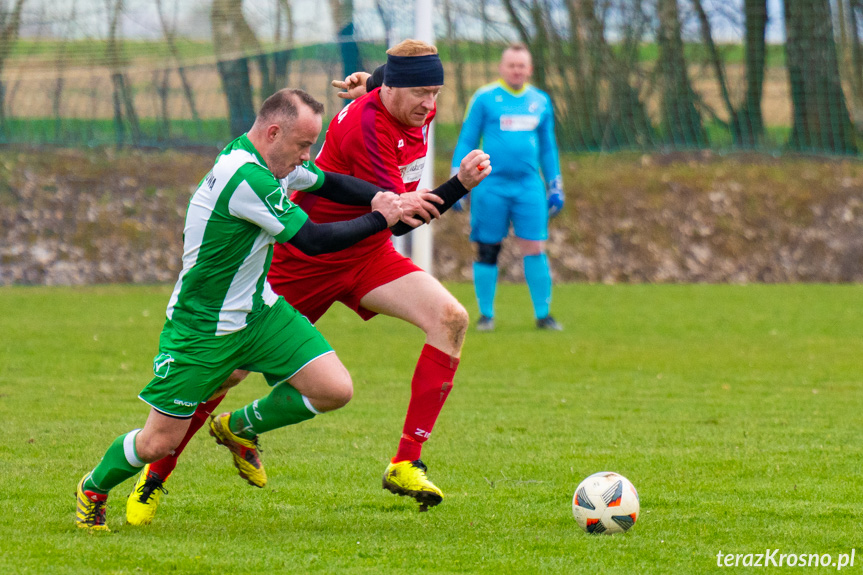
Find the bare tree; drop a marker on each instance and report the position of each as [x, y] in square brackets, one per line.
[123, 99]
[821, 119]
[61, 61]
[749, 121]
[681, 122]
[233, 39]
[169, 33]
[342, 12]
[457, 58]
[10, 23]
[746, 124]
[626, 122]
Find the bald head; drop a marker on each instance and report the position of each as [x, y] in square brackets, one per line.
[288, 124]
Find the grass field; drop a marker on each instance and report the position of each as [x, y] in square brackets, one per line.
[735, 410]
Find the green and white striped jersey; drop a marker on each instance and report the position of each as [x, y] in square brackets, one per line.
[235, 216]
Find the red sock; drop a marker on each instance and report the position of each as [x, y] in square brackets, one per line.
[430, 387]
[166, 465]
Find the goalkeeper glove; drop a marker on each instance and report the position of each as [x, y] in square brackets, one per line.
[555, 196]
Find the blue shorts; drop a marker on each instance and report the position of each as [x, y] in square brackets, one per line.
[498, 201]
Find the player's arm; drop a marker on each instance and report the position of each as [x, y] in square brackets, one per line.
[315, 239]
[339, 188]
[473, 169]
[347, 190]
[263, 201]
[550, 162]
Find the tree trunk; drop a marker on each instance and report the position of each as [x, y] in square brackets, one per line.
[124, 103]
[232, 38]
[170, 34]
[457, 59]
[10, 24]
[343, 20]
[749, 121]
[681, 123]
[821, 119]
[855, 15]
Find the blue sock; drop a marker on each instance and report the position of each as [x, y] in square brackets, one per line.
[538, 277]
[485, 284]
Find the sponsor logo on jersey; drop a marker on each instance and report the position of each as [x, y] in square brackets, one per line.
[210, 180]
[413, 171]
[162, 365]
[278, 202]
[518, 123]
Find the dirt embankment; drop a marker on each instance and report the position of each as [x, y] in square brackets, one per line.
[77, 217]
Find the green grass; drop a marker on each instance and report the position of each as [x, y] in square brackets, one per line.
[735, 410]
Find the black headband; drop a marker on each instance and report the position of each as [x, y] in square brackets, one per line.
[413, 71]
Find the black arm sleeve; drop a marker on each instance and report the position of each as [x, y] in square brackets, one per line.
[346, 190]
[451, 191]
[376, 80]
[315, 239]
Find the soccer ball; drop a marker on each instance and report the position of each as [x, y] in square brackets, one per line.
[605, 502]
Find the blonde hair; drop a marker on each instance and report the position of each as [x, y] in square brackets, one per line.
[412, 47]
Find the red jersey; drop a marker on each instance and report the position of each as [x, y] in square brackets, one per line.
[367, 142]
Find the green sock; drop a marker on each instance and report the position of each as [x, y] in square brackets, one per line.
[119, 464]
[283, 406]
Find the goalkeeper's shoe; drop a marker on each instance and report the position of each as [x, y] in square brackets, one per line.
[409, 478]
[91, 509]
[548, 323]
[144, 499]
[245, 451]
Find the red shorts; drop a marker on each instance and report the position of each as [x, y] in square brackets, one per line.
[311, 284]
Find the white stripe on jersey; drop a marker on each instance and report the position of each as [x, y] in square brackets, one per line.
[239, 299]
[201, 207]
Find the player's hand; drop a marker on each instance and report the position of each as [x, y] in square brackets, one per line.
[419, 207]
[354, 86]
[555, 197]
[474, 168]
[389, 205]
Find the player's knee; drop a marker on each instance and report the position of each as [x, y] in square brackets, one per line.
[150, 448]
[487, 253]
[339, 391]
[455, 319]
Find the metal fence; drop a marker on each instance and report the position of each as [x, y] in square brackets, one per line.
[623, 74]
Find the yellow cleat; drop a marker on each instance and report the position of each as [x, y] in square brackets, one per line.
[91, 509]
[144, 499]
[409, 478]
[245, 451]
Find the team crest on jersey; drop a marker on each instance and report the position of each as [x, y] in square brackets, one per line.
[162, 365]
[278, 202]
[533, 106]
[426, 134]
[401, 144]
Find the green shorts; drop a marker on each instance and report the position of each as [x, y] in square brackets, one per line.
[190, 367]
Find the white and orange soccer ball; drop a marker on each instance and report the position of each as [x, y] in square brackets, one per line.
[606, 502]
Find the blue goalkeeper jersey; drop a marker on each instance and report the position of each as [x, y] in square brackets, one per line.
[516, 129]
